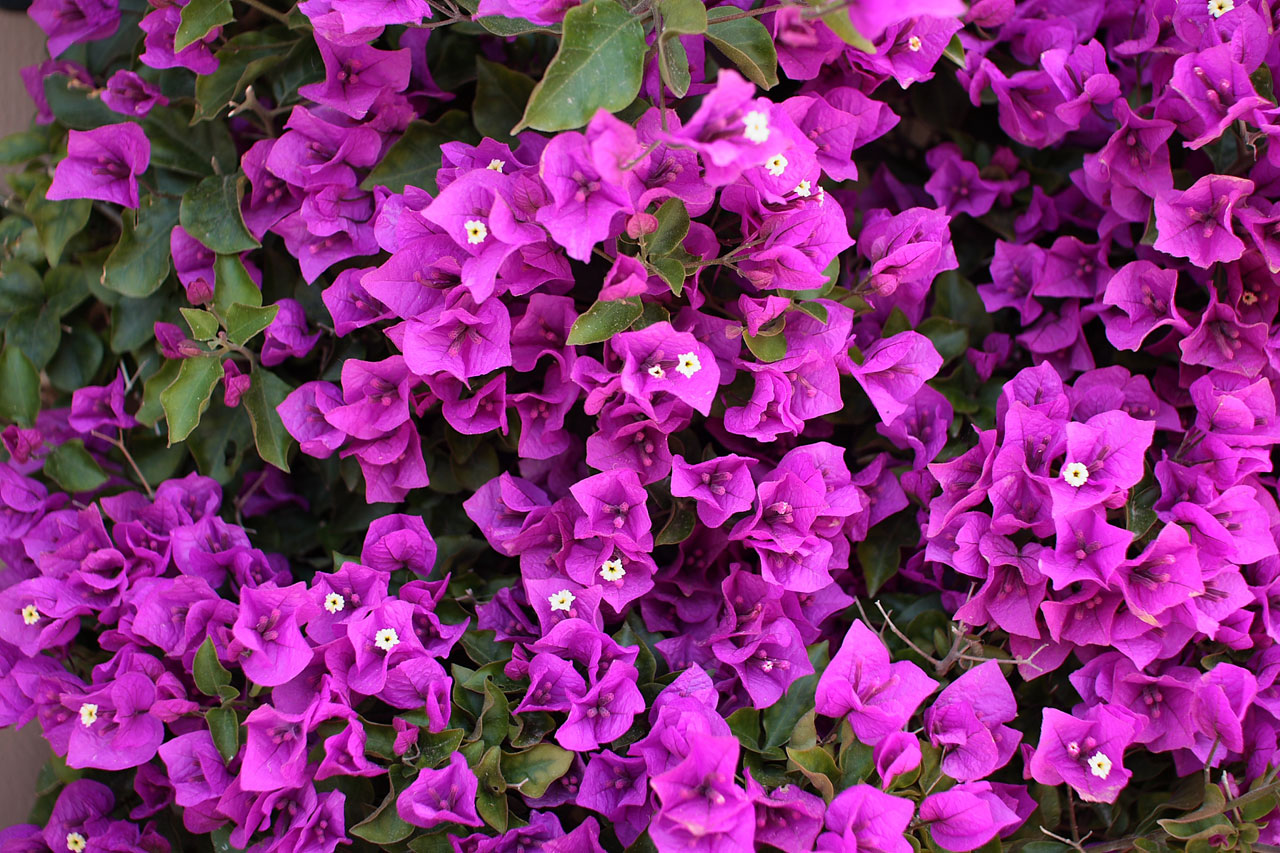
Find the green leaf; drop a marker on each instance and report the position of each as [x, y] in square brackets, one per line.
[71, 105]
[415, 158]
[501, 96]
[495, 715]
[210, 212]
[745, 725]
[603, 320]
[66, 286]
[266, 392]
[20, 286]
[151, 411]
[139, 263]
[203, 325]
[491, 802]
[35, 331]
[599, 65]
[71, 466]
[384, 826]
[199, 17]
[187, 398]
[767, 348]
[781, 717]
[747, 44]
[531, 772]
[673, 227]
[682, 18]
[19, 387]
[243, 59]
[435, 749]
[189, 148]
[56, 222]
[224, 725]
[949, 338]
[232, 284]
[210, 675]
[133, 321]
[878, 553]
[816, 310]
[679, 527]
[506, 27]
[818, 767]
[78, 358]
[954, 51]
[839, 22]
[245, 321]
[674, 67]
[1263, 84]
[671, 271]
[22, 146]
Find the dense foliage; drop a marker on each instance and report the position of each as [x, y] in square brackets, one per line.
[533, 425]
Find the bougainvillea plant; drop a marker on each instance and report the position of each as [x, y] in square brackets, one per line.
[837, 425]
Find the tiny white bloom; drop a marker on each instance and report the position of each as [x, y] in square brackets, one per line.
[1076, 474]
[1218, 8]
[757, 127]
[689, 365]
[333, 602]
[657, 372]
[1100, 765]
[76, 842]
[386, 639]
[88, 714]
[803, 189]
[476, 231]
[822, 196]
[562, 600]
[496, 165]
[611, 570]
[777, 164]
[914, 44]
[1249, 298]
[30, 615]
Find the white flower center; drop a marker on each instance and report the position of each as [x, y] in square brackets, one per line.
[803, 189]
[777, 164]
[30, 615]
[611, 570]
[562, 600]
[76, 842]
[657, 372]
[822, 196]
[1100, 765]
[88, 714]
[1218, 8]
[914, 44]
[757, 127]
[386, 639]
[688, 365]
[334, 602]
[476, 231]
[496, 165]
[1249, 298]
[1076, 474]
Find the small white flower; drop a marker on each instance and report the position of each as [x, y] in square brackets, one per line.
[1218, 8]
[1249, 297]
[496, 165]
[777, 164]
[88, 714]
[30, 615]
[914, 44]
[476, 231]
[562, 600]
[386, 639]
[1076, 474]
[688, 365]
[1099, 764]
[76, 842]
[333, 602]
[657, 372]
[611, 570]
[803, 189]
[757, 127]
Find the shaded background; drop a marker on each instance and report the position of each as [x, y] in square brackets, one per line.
[21, 753]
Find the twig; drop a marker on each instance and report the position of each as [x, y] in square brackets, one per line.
[118, 444]
[751, 13]
[267, 10]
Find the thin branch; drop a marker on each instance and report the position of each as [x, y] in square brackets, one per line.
[267, 10]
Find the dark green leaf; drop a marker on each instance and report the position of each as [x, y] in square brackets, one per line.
[507, 27]
[232, 284]
[818, 767]
[674, 67]
[599, 65]
[415, 158]
[19, 387]
[266, 392]
[240, 61]
[747, 44]
[745, 725]
[501, 96]
[673, 227]
[210, 212]
[35, 331]
[672, 272]
[133, 321]
[603, 320]
[495, 715]
[180, 146]
[209, 673]
[949, 338]
[682, 18]
[781, 717]
[70, 466]
[187, 398]
[816, 310]
[679, 527]
[203, 325]
[384, 826]
[531, 772]
[22, 146]
[20, 286]
[767, 348]
[78, 358]
[245, 321]
[66, 286]
[56, 221]
[151, 411]
[954, 51]
[139, 263]
[1261, 79]
[491, 801]
[199, 17]
[878, 553]
[71, 105]
[224, 725]
[435, 749]
[839, 22]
